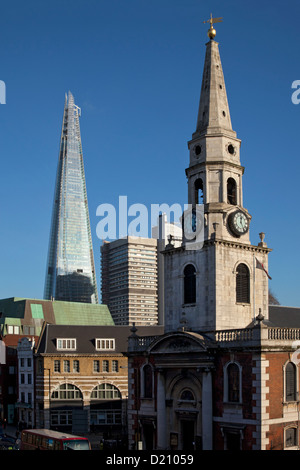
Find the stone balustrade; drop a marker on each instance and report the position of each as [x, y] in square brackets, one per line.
[255, 335]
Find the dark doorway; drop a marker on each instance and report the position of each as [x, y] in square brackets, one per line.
[188, 435]
[233, 441]
[148, 436]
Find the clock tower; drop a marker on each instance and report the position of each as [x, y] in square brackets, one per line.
[218, 285]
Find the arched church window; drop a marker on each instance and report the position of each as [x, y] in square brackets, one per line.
[233, 382]
[242, 284]
[189, 284]
[187, 395]
[198, 186]
[147, 376]
[231, 192]
[290, 382]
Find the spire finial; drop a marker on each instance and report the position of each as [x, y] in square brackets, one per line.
[212, 32]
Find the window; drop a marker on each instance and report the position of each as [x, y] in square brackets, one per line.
[105, 392]
[115, 366]
[67, 392]
[66, 343]
[105, 366]
[66, 366]
[76, 366]
[28, 330]
[231, 191]
[242, 284]
[233, 383]
[102, 417]
[198, 191]
[147, 376]
[56, 366]
[61, 418]
[13, 330]
[291, 437]
[290, 382]
[105, 344]
[96, 366]
[189, 284]
[187, 395]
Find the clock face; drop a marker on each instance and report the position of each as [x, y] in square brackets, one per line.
[239, 223]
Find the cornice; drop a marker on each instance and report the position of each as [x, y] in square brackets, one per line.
[221, 242]
[225, 163]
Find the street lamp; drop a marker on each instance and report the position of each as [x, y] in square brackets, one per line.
[49, 370]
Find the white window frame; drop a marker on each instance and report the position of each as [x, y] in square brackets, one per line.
[63, 344]
[105, 344]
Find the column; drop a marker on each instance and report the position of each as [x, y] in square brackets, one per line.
[161, 412]
[207, 431]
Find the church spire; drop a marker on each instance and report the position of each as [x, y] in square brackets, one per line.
[215, 172]
[213, 114]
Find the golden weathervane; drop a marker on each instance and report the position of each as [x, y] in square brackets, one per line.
[212, 32]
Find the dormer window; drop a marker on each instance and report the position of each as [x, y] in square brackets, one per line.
[66, 344]
[105, 344]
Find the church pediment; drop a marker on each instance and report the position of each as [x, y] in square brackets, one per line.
[183, 342]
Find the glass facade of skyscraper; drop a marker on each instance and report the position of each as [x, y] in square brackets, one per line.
[70, 274]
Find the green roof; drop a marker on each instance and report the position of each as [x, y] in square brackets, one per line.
[65, 313]
[12, 307]
[76, 313]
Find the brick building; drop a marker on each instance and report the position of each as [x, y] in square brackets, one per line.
[24, 318]
[81, 379]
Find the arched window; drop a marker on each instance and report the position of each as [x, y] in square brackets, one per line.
[198, 186]
[242, 284]
[231, 191]
[233, 382]
[67, 392]
[105, 392]
[147, 376]
[187, 395]
[189, 284]
[290, 382]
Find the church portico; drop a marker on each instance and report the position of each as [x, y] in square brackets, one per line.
[182, 390]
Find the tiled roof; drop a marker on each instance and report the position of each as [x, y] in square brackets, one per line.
[288, 317]
[86, 335]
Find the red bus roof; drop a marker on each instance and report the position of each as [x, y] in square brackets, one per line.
[52, 434]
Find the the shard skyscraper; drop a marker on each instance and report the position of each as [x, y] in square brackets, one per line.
[70, 274]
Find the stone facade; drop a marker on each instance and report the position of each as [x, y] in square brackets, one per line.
[216, 306]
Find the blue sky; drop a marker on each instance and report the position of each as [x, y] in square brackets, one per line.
[135, 69]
